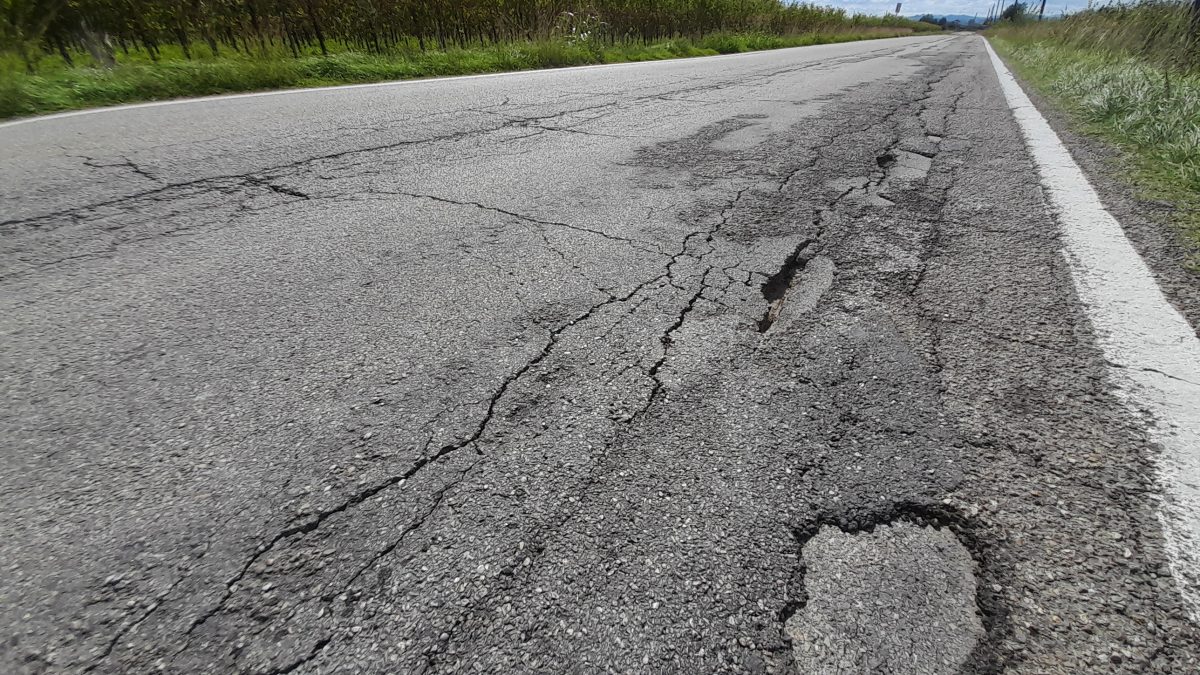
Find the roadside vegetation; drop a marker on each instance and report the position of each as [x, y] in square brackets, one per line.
[63, 54]
[1129, 74]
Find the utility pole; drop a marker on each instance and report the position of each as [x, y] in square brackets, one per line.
[1043, 9]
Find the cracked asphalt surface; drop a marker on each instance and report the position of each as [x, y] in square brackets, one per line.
[567, 371]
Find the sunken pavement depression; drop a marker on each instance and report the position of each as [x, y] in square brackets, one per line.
[768, 363]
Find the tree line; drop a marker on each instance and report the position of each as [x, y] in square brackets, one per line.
[105, 27]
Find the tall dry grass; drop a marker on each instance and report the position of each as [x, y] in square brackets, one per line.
[1129, 74]
[1153, 31]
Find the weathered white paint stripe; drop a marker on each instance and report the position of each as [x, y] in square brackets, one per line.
[1153, 352]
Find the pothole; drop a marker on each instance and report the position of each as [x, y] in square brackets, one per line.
[908, 166]
[899, 171]
[893, 592]
[775, 289]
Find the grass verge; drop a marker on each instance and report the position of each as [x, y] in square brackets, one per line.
[1149, 110]
[62, 88]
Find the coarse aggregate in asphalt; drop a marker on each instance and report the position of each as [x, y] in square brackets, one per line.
[575, 371]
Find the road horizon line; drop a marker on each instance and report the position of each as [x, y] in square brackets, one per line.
[416, 80]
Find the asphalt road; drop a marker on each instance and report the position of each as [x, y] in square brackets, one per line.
[762, 363]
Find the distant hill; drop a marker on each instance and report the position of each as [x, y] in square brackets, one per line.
[963, 19]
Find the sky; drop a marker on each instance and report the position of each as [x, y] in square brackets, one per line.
[941, 7]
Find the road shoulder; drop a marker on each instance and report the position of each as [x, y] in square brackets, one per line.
[1147, 223]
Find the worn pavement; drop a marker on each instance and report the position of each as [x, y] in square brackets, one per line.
[567, 371]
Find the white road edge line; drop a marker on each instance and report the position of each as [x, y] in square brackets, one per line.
[1152, 351]
[413, 81]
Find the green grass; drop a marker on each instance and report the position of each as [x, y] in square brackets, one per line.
[58, 87]
[1145, 102]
